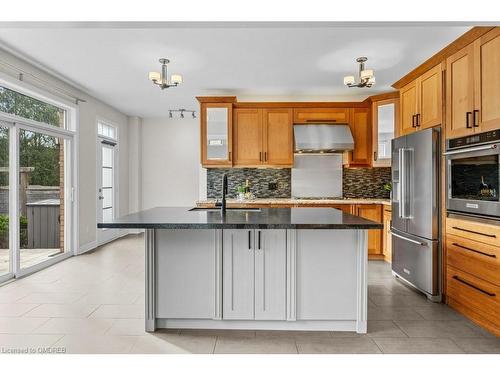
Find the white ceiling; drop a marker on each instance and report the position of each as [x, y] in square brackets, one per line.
[297, 62]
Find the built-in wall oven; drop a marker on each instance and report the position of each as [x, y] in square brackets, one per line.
[473, 178]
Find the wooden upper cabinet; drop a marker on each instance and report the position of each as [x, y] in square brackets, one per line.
[318, 115]
[385, 122]
[248, 142]
[408, 103]
[278, 137]
[460, 92]
[486, 113]
[430, 95]
[473, 92]
[263, 137]
[362, 134]
[422, 102]
[216, 134]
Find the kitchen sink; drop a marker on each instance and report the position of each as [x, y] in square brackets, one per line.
[213, 209]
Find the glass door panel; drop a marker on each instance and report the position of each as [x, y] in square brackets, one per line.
[5, 250]
[386, 116]
[41, 197]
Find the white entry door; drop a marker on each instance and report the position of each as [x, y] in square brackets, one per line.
[106, 189]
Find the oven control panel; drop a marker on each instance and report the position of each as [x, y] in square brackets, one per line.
[487, 137]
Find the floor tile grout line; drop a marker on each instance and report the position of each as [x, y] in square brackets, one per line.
[375, 342]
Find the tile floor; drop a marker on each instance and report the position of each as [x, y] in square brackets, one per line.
[94, 303]
[29, 257]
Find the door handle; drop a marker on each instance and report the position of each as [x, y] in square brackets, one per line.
[475, 118]
[467, 120]
[474, 250]
[472, 149]
[473, 286]
[408, 239]
[474, 232]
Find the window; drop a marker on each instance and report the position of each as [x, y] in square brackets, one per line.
[106, 130]
[21, 105]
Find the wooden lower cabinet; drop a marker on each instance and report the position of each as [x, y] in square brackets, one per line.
[476, 298]
[387, 240]
[347, 208]
[473, 271]
[372, 212]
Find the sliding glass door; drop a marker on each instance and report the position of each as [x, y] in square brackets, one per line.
[41, 197]
[5, 252]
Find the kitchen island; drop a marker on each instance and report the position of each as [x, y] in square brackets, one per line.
[269, 268]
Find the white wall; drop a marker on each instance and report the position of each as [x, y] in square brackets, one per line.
[88, 114]
[170, 162]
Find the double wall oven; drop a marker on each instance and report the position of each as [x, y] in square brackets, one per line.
[473, 178]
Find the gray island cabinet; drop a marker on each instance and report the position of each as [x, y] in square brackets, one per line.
[275, 268]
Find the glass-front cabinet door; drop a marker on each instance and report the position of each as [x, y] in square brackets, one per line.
[216, 134]
[384, 124]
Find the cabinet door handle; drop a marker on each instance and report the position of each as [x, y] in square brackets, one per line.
[265, 156]
[259, 241]
[260, 156]
[467, 120]
[418, 120]
[375, 155]
[474, 250]
[413, 121]
[229, 155]
[474, 232]
[249, 240]
[473, 286]
[475, 118]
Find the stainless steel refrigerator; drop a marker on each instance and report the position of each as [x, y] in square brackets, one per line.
[415, 210]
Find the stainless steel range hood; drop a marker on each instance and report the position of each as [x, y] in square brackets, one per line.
[322, 138]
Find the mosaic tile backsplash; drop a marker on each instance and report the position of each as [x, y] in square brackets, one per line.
[264, 183]
[276, 183]
[366, 182]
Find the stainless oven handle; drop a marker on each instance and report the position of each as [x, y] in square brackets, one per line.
[472, 149]
[408, 239]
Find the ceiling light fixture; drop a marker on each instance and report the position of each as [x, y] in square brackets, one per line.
[161, 79]
[181, 112]
[366, 77]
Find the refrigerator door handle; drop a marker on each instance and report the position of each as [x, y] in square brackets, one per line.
[408, 239]
[401, 184]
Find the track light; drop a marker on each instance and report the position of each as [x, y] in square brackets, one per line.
[181, 112]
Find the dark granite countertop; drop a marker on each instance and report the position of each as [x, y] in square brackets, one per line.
[265, 218]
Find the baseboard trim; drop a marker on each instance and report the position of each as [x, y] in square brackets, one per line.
[94, 245]
[299, 325]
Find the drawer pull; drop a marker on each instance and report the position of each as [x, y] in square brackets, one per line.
[473, 286]
[476, 251]
[472, 231]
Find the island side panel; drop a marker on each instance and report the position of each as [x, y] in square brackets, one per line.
[186, 282]
[326, 277]
[362, 281]
[150, 293]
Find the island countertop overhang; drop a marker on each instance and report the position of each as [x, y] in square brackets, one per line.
[265, 218]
